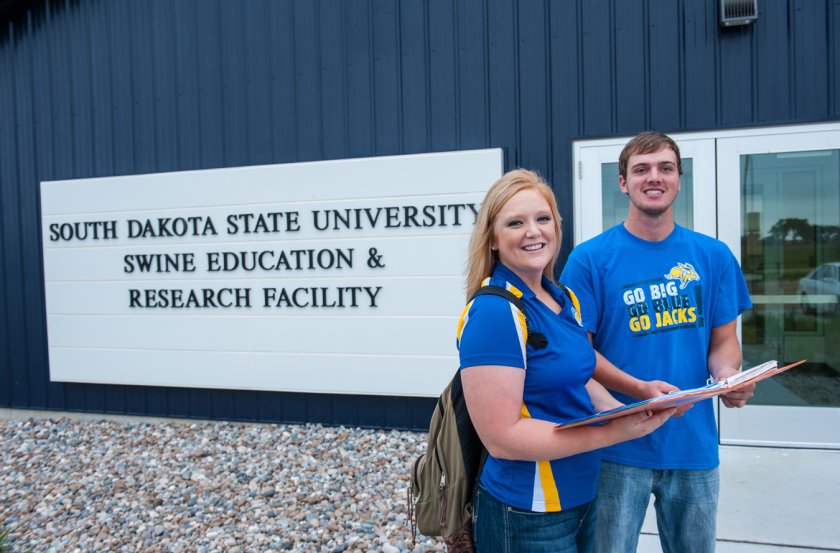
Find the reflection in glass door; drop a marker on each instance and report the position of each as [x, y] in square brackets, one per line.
[791, 257]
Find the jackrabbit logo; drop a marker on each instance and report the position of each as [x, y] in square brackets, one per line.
[684, 272]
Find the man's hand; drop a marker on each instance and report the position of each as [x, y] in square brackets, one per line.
[656, 388]
[724, 360]
[739, 397]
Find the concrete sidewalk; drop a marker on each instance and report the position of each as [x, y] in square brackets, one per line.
[772, 501]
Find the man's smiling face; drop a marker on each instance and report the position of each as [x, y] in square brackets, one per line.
[652, 182]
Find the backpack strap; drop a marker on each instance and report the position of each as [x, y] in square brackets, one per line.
[536, 340]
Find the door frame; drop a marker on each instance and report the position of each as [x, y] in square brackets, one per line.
[717, 213]
[769, 425]
[592, 153]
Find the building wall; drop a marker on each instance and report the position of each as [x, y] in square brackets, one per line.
[93, 88]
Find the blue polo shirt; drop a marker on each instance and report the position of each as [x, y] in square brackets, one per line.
[492, 332]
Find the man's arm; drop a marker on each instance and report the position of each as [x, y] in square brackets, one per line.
[602, 399]
[725, 360]
[613, 378]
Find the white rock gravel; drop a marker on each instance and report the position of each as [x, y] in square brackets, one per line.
[106, 486]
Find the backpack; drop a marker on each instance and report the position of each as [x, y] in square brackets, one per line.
[443, 479]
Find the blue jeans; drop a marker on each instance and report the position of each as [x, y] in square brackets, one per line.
[686, 508]
[500, 528]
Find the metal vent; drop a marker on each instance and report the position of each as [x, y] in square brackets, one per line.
[738, 12]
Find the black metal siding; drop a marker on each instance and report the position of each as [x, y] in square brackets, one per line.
[95, 88]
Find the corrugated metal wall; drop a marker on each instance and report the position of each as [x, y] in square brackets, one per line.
[112, 87]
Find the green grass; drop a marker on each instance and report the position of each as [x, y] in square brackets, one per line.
[6, 545]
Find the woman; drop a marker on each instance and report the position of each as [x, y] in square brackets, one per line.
[537, 485]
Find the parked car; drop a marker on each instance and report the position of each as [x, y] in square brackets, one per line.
[819, 290]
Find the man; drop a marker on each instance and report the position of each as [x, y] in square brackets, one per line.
[660, 303]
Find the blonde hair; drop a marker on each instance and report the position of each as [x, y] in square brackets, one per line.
[482, 258]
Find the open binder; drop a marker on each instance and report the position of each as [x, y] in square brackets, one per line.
[674, 399]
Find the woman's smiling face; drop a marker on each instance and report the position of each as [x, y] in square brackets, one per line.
[524, 235]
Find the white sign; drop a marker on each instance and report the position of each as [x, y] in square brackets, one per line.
[334, 277]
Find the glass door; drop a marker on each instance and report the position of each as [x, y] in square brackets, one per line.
[779, 209]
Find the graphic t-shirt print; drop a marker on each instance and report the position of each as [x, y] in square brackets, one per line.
[672, 301]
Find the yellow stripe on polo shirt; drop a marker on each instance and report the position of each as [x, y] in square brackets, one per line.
[545, 497]
[576, 303]
[522, 327]
[520, 317]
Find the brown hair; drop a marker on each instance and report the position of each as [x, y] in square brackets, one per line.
[482, 258]
[648, 142]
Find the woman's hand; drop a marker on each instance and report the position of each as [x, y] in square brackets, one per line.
[640, 424]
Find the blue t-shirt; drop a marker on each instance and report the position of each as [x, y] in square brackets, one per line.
[651, 307]
[491, 332]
